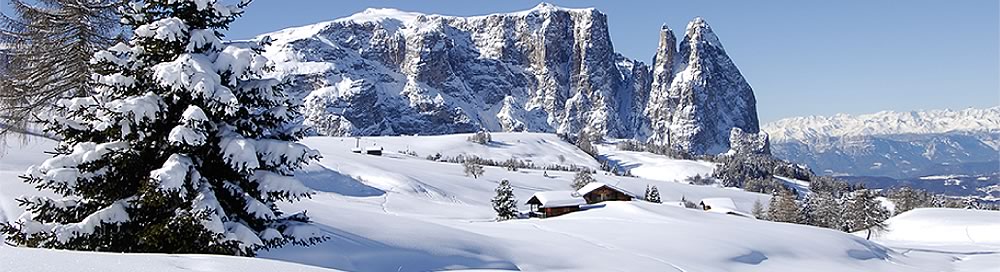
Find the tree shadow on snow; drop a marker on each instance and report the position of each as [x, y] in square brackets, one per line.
[320, 178]
[351, 252]
[623, 167]
[872, 251]
[753, 258]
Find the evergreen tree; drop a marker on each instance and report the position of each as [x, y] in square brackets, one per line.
[653, 194]
[971, 203]
[906, 198]
[863, 211]
[481, 137]
[585, 143]
[49, 45]
[472, 168]
[581, 179]
[758, 210]
[504, 202]
[183, 148]
[783, 208]
[823, 210]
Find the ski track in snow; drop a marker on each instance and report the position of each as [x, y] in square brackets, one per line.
[608, 247]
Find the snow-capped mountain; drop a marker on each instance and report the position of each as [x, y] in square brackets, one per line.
[706, 96]
[547, 69]
[894, 144]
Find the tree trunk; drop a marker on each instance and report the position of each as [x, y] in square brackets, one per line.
[869, 234]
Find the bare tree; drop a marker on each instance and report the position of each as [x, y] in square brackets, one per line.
[473, 169]
[49, 45]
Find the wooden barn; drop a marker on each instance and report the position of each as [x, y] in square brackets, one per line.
[555, 203]
[596, 192]
[374, 150]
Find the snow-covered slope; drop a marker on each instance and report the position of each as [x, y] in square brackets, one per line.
[43, 260]
[946, 239]
[539, 148]
[948, 226]
[894, 144]
[403, 213]
[547, 69]
[652, 166]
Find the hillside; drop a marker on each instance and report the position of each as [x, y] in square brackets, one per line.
[946, 239]
[41, 260]
[403, 213]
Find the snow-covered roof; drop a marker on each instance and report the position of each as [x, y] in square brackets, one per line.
[720, 204]
[372, 148]
[558, 199]
[590, 187]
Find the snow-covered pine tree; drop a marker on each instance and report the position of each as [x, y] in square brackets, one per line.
[972, 203]
[183, 148]
[758, 210]
[49, 45]
[783, 208]
[653, 194]
[823, 210]
[504, 202]
[581, 179]
[585, 143]
[906, 198]
[481, 137]
[864, 211]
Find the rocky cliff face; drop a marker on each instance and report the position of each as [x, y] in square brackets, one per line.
[548, 69]
[707, 96]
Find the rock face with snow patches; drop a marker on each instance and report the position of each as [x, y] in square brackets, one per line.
[548, 69]
[707, 96]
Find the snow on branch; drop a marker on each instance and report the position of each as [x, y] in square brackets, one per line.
[273, 184]
[113, 214]
[172, 175]
[169, 29]
[195, 74]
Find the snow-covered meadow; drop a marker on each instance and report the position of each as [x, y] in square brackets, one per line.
[399, 212]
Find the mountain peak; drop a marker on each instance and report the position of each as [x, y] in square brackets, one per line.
[699, 30]
[549, 7]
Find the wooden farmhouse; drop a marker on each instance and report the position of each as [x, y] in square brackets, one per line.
[722, 205]
[555, 203]
[596, 192]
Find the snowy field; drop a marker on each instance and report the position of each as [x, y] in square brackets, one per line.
[652, 166]
[403, 213]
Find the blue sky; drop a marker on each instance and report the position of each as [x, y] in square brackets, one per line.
[801, 57]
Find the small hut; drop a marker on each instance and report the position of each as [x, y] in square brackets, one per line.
[555, 203]
[373, 150]
[596, 192]
[723, 205]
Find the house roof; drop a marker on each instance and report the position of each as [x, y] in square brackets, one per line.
[723, 205]
[552, 199]
[590, 187]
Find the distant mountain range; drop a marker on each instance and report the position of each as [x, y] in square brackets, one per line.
[893, 144]
[547, 69]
